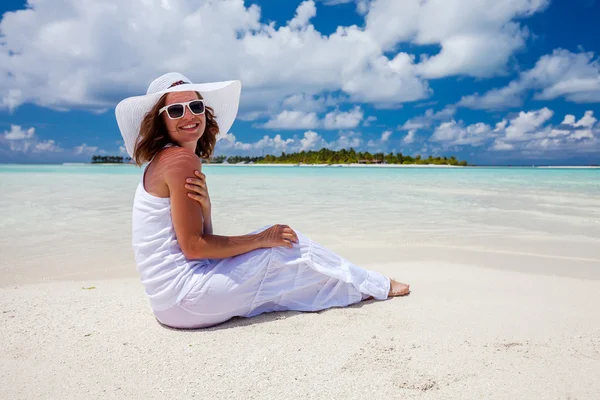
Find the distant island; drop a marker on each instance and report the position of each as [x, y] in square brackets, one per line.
[323, 156]
[110, 160]
[327, 156]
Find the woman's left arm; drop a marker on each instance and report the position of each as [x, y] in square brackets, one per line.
[199, 192]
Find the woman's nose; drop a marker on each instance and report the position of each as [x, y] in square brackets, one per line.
[187, 112]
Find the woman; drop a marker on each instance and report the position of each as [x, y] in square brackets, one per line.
[192, 277]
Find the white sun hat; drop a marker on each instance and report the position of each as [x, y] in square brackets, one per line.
[222, 97]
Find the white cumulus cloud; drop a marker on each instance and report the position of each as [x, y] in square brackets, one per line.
[293, 120]
[62, 54]
[305, 11]
[527, 134]
[456, 134]
[385, 136]
[410, 136]
[429, 118]
[22, 140]
[530, 133]
[343, 120]
[84, 149]
[476, 38]
[228, 144]
[335, 119]
[587, 121]
[18, 133]
[573, 76]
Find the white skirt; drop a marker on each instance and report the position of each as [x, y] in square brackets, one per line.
[306, 277]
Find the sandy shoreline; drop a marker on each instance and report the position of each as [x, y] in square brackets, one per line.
[464, 333]
[470, 330]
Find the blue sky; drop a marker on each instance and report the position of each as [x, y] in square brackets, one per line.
[491, 82]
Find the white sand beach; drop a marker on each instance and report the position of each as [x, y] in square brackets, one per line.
[504, 304]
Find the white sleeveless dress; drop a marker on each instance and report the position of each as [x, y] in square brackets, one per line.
[200, 293]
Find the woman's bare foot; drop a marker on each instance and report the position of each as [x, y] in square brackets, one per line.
[398, 289]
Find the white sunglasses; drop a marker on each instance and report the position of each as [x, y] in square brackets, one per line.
[176, 110]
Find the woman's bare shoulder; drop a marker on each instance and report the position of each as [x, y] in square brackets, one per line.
[169, 168]
[176, 163]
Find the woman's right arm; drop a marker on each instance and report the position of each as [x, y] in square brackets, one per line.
[179, 164]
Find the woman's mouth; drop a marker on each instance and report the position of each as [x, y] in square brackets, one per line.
[189, 127]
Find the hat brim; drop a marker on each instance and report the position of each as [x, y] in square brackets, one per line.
[222, 97]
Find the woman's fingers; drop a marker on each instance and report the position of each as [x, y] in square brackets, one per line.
[290, 231]
[286, 243]
[196, 181]
[200, 179]
[198, 197]
[281, 235]
[198, 189]
[290, 237]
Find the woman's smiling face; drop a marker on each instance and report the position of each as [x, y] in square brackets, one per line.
[190, 127]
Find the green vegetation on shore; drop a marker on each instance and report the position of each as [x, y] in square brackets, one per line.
[323, 156]
[110, 159]
[326, 156]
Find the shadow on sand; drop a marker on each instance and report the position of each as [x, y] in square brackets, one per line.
[238, 322]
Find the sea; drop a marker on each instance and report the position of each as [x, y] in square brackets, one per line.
[79, 214]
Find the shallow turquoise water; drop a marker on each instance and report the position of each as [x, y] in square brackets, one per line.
[581, 180]
[79, 216]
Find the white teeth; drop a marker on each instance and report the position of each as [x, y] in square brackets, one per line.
[189, 126]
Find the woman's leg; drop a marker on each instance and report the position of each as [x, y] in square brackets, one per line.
[306, 277]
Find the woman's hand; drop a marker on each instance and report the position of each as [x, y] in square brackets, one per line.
[278, 235]
[199, 192]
